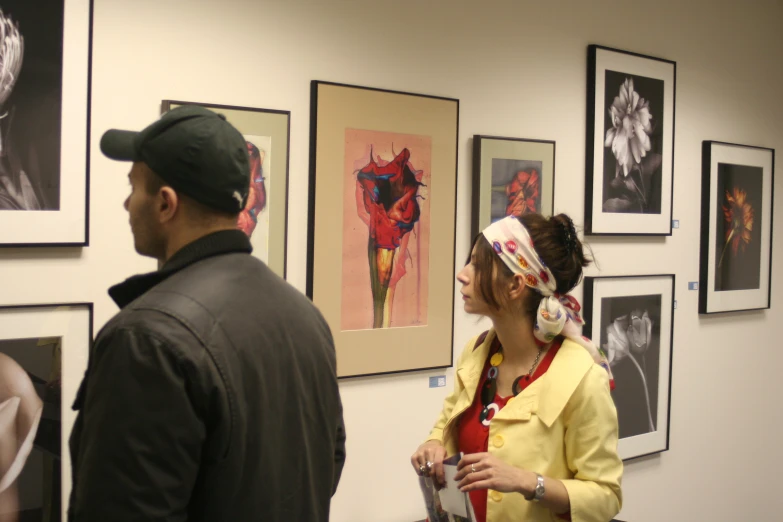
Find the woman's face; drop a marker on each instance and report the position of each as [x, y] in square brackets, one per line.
[471, 296]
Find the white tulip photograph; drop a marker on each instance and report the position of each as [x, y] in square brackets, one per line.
[631, 319]
[632, 327]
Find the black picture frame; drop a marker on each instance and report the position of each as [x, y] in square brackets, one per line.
[638, 199]
[336, 108]
[50, 344]
[517, 153]
[274, 124]
[54, 211]
[746, 176]
[610, 303]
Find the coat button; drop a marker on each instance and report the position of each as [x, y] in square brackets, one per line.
[497, 496]
[498, 441]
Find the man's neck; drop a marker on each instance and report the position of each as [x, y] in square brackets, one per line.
[178, 241]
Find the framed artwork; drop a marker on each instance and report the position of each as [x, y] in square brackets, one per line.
[43, 356]
[383, 182]
[737, 193]
[631, 318]
[630, 143]
[44, 122]
[265, 217]
[511, 176]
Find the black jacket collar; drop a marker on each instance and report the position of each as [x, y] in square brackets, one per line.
[215, 244]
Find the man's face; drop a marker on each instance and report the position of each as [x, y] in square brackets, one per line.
[142, 206]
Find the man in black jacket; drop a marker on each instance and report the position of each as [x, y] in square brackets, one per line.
[212, 395]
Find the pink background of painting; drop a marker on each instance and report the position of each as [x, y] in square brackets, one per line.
[356, 299]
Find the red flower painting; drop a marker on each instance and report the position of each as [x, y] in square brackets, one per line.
[390, 197]
[523, 193]
[256, 200]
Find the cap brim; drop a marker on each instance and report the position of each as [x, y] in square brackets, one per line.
[118, 145]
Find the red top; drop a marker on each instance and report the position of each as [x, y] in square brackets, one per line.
[474, 436]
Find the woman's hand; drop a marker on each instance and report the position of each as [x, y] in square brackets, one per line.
[485, 471]
[428, 461]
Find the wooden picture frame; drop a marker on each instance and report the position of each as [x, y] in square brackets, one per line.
[383, 182]
[511, 176]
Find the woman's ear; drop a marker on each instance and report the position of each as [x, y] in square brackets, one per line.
[516, 287]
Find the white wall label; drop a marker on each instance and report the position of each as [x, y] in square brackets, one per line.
[693, 285]
[438, 382]
[675, 223]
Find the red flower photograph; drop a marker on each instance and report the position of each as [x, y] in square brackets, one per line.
[738, 243]
[516, 188]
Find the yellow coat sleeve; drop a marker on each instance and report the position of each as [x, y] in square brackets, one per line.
[451, 400]
[591, 450]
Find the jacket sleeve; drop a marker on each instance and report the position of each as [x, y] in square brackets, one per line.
[141, 436]
[591, 450]
[451, 400]
[339, 451]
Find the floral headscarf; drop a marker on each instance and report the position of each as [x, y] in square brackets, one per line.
[557, 314]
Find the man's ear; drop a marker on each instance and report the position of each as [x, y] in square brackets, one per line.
[167, 203]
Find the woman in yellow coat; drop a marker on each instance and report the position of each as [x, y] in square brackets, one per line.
[531, 410]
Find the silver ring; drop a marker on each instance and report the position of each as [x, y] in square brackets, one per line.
[472, 468]
[422, 469]
[429, 464]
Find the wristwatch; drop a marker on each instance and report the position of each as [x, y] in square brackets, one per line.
[538, 493]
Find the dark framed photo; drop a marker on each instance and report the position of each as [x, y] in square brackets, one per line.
[737, 195]
[383, 181]
[631, 318]
[511, 176]
[630, 143]
[43, 357]
[44, 128]
[265, 217]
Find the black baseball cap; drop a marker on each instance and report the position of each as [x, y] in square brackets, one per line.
[194, 150]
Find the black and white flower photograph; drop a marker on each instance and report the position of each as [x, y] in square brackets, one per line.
[633, 143]
[632, 326]
[31, 67]
[629, 163]
[631, 319]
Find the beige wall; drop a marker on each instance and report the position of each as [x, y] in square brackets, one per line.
[518, 69]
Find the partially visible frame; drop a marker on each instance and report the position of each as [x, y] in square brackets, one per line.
[265, 217]
[382, 213]
[45, 125]
[511, 176]
[737, 197]
[44, 351]
[629, 163]
[631, 318]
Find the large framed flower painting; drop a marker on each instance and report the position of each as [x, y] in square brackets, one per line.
[630, 143]
[631, 319]
[380, 266]
[736, 227]
[511, 176]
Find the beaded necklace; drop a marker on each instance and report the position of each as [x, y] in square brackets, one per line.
[489, 390]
